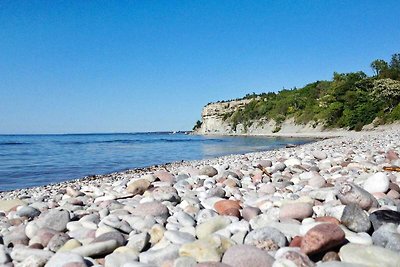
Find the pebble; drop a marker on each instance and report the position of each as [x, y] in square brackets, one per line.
[381, 217]
[387, 236]
[66, 259]
[55, 219]
[157, 257]
[96, 249]
[321, 238]
[21, 253]
[201, 251]
[138, 187]
[209, 171]
[227, 207]
[295, 211]
[212, 225]
[369, 255]
[351, 193]
[27, 211]
[377, 183]
[247, 255]
[154, 208]
[355, 218]
[266, 238]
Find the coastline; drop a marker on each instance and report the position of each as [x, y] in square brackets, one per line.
[168, 213]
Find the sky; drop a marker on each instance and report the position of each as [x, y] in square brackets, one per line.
[129, 66]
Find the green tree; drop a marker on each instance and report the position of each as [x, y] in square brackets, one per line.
[379, 66]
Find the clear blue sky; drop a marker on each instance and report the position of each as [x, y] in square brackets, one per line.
[124, 66]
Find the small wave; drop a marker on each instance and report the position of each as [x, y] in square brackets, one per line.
[13, 143]
[140, 141]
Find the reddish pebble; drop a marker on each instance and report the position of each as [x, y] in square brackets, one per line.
[164, 176]
[296, 241]
[327, 219]
[228, 207]
[321, 238]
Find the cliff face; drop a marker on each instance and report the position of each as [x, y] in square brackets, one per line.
[215, 120]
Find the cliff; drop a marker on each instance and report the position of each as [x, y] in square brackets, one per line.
[216, 119]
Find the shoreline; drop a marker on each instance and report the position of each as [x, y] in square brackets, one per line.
[288, 204]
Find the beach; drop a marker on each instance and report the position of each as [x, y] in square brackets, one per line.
[333, 202]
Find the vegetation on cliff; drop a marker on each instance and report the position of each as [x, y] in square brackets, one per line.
[349, 100]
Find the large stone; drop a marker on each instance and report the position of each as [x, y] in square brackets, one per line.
[351, 193]
[387, 236]
[321, 238]
[355, 218]
[27, 211]
[369, 255]
[377, 183]
[266, 238]
[247, 255]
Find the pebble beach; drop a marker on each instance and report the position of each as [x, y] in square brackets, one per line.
[334, 202]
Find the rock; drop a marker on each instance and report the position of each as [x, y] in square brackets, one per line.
[209, 171]
[55, 219]
[292, 162]
[139, 241]
[266, 238]
[295, 211]
[66, 259]
[369, 255]
[379, 182]
[33, 261]
[185, 262]
[9, 204]
[165, 193]
[292, 256]
[355, 218]
[212, 225]
[96, 249]
[156, 233]
[184, 219]
[319, 154]
[157, 257]
[44, 235]
[247, 255]
[387, 236]
[317, 181]
[119, 258]
[57, 241]
[351, 193]
[69, 245]
[177, 237]
[321, 238]
[201, 250]
[227, 207]
[263, 163]
[4, 257]
[113, 235]
[27, 211]
[249, 213]
[381, 217]
[155, 208]
[21, 253]
[138, 187]
[164, 176]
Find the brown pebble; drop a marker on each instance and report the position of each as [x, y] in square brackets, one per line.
[296, 241]
[321, 238]
[327, 219]
[36, 246]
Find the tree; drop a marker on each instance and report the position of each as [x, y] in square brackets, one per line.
[379, 66]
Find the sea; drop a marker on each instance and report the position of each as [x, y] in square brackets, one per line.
[34, 160]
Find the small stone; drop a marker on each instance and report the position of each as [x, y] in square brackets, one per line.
[368, 255]
[247, 255]
[21, 253]
[154, 208]
[387, 236]
[96, 249]
[177, 237]
[113, 235]
[139, 241]
[355, 218]
[212, 225]
[201, 250]
[331, 256]
[120, 256]
[138, 187]
[292, 255]
[317, 181]
[267, 238]
[321, 238]
[351, 193]
[69, 245]
[63, 259]
[164, 176]
[210, 171]
[227, 207]
[318, 154]
[381, 217]
[295, 211]
[249, 213]
[55, 219]
[33, 261]
[157, 257]
[165, 193]
[57, 241]
[327, 219]
[27, 211]
[377, 183]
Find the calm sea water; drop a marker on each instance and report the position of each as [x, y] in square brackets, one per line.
[32, 160]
